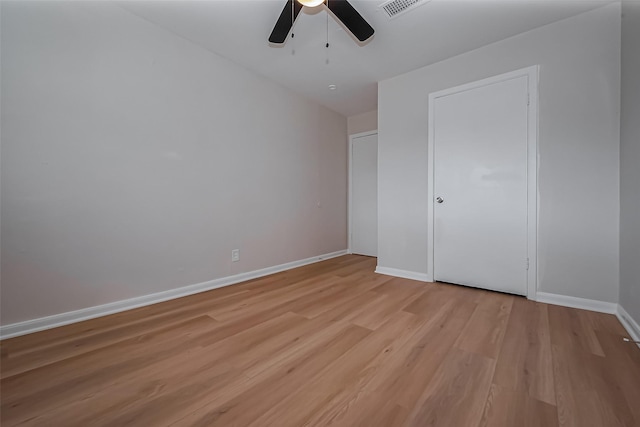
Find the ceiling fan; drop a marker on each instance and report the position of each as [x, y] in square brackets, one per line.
[340, 9]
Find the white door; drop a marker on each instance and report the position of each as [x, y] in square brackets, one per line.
[364, 195]
[480, 186]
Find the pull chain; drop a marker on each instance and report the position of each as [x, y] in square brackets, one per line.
[327, 45]
[293, 17]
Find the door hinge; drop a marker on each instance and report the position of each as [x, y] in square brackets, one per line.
[528, 100]
[527, 264]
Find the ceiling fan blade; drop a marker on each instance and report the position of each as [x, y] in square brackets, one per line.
[285, 22]
[351, 19]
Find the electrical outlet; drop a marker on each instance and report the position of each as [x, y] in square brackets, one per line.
[235, 255]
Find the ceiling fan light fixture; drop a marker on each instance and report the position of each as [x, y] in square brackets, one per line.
[341, 10]
[310, 3]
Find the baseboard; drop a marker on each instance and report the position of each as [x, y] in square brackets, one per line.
[629, 323]
[405, 274]
[49, 322]
[575, 302]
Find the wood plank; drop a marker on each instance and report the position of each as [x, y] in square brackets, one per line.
[572, 328]
[277, 385]
[348, 289]
[61, 383]
[457, 393]
[506, 408]
[331, 343]
[429, 352]
[372, 410]
[371, 379]
[485, 330]
[525, 361]
[399, 293]
[330, 381]
[623, 365]
[587, 394]
[44, 340]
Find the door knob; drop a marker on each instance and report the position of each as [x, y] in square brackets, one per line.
[439, 199]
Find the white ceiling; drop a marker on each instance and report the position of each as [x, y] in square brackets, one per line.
[439, 29]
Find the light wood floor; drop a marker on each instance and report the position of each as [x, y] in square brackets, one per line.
[328, 344]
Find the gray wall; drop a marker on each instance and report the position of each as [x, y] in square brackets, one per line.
[630, 161]
[364, 122]
[579, 153]
[133, 162]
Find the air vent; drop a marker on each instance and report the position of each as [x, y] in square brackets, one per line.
[395, 8]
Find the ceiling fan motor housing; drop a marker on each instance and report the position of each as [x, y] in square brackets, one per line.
[340, 9]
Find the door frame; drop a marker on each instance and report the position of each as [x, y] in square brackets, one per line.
[532, 74]
[350, 183]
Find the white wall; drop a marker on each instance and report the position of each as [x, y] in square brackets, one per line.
[630, 162]
[133, 162]
[578, 176]
[364, 122]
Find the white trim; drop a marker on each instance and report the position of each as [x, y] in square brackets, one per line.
[629, 323]
[40, 324]
[350, 182]
[405, 274]
[532, 170]
[575, 302]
